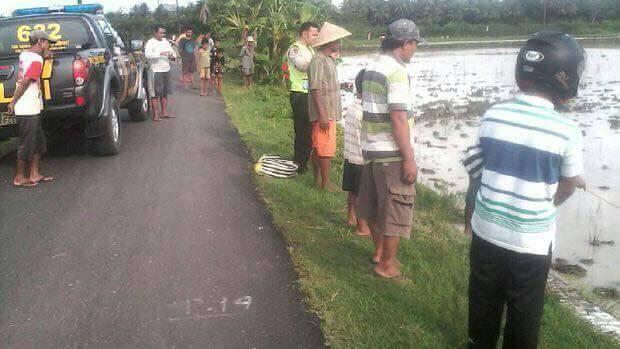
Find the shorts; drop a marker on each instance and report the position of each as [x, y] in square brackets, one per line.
[205, 73]
[324, 141]
[247, 71]
[189, 65]
[31, 137]
[386, 199]
[159, 85]
[352, 177]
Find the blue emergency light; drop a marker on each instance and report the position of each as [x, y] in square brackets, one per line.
[87, 8]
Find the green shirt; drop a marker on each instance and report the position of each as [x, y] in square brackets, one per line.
[299, 56]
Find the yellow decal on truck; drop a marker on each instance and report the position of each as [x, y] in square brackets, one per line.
[46, 75]
[23, 31]
[4, 99]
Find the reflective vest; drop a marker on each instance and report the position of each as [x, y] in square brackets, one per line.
[299, 79]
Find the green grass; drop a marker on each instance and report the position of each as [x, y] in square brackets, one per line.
[358, 310]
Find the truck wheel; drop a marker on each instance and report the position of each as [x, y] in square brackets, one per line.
[110, 142]
[139, 109]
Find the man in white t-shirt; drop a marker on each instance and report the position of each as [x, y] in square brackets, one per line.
[27, 105]
[158, 51]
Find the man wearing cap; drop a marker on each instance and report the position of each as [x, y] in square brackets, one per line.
[387, 190]
[324, 105]
[298, 58]
[27, 105]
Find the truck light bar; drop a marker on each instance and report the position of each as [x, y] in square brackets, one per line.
[87, 8]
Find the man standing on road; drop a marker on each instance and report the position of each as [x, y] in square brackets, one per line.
[187, 47]
[27, 105]
[299, 56]
[387, 191]
[324, 106]
[158, 51]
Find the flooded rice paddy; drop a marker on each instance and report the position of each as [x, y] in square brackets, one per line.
[453, 88]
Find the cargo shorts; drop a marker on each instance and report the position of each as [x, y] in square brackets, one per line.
[386, 200]
[31, 137]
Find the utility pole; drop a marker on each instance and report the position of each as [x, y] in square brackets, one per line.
[545, 5]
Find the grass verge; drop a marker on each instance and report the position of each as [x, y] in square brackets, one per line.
[358, 310]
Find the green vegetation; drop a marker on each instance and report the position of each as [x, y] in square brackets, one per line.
[358, 310]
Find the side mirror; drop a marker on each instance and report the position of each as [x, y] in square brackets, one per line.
[117, 51]
[136, 45]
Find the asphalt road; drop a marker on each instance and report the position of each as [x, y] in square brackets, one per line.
[163, 246]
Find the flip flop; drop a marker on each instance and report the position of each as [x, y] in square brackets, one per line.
[44, 179]
[168, 117]
[156, 119]
[27, 184]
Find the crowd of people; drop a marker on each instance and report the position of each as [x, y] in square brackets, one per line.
[527, 160]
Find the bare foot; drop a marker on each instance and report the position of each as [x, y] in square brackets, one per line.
[388, 273]
[362, 233]
[202, 94]
[331, 188]
[352, 222]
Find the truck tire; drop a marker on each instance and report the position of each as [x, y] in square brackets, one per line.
[139, 109]
[110, 142]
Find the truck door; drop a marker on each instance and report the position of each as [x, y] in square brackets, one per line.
[120, 58]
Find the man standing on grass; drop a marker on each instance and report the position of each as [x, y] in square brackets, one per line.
[298, 58]
[324, 106]
[158, 51]
[27, 105]
[387, 191]
[528, 160]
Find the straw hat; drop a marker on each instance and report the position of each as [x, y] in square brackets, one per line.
[330, 32]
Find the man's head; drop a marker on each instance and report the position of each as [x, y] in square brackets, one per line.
[251, 41]
[308, 33]
[40, 41]
[402, 39]
[189, 32]
[159, 32]
[333, 47]
[220, 52]
[550, 65]
[217, 43]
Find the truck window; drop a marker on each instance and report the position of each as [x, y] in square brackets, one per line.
[111, 36]
[72, 34]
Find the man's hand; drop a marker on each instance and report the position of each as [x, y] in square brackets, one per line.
[324, 124]
[48, 54]
[410, 171]
[10, 108]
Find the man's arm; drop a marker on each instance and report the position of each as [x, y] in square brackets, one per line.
[402, 137]
[316, 86]
[470, 202]
[297, 59]
[566, 188]
[19, 92]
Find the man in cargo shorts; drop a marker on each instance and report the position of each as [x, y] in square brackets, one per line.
[27, 105]
[387, 190]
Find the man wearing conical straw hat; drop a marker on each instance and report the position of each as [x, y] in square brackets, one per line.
[324, 104]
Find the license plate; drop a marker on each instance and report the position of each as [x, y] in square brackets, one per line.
[7, 120]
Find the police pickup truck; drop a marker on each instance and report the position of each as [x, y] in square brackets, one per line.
[91, 74]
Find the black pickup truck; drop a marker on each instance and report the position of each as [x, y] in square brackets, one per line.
[91, 75]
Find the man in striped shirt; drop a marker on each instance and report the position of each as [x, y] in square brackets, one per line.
[529, 161]
[387, 190]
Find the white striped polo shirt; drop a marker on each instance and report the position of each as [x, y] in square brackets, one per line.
[526, 147]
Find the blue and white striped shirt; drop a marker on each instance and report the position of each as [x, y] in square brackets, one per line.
[526, 147]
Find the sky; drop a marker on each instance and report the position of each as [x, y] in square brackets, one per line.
[7, 6]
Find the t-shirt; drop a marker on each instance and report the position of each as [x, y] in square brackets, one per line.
[30, 67]
[323, 76]
[386, 87]
[153, 50]
[187, 47]
[353, 133]
[204, 58]
[526, 147]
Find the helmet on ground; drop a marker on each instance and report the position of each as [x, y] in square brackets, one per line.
[551, 62]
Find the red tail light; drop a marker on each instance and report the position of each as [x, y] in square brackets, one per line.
[80, 71]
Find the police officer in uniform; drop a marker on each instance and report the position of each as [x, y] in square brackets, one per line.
[299, 55]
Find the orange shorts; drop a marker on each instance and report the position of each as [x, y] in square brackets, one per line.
[324, 141]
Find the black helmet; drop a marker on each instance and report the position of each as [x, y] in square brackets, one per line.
[551, 62]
